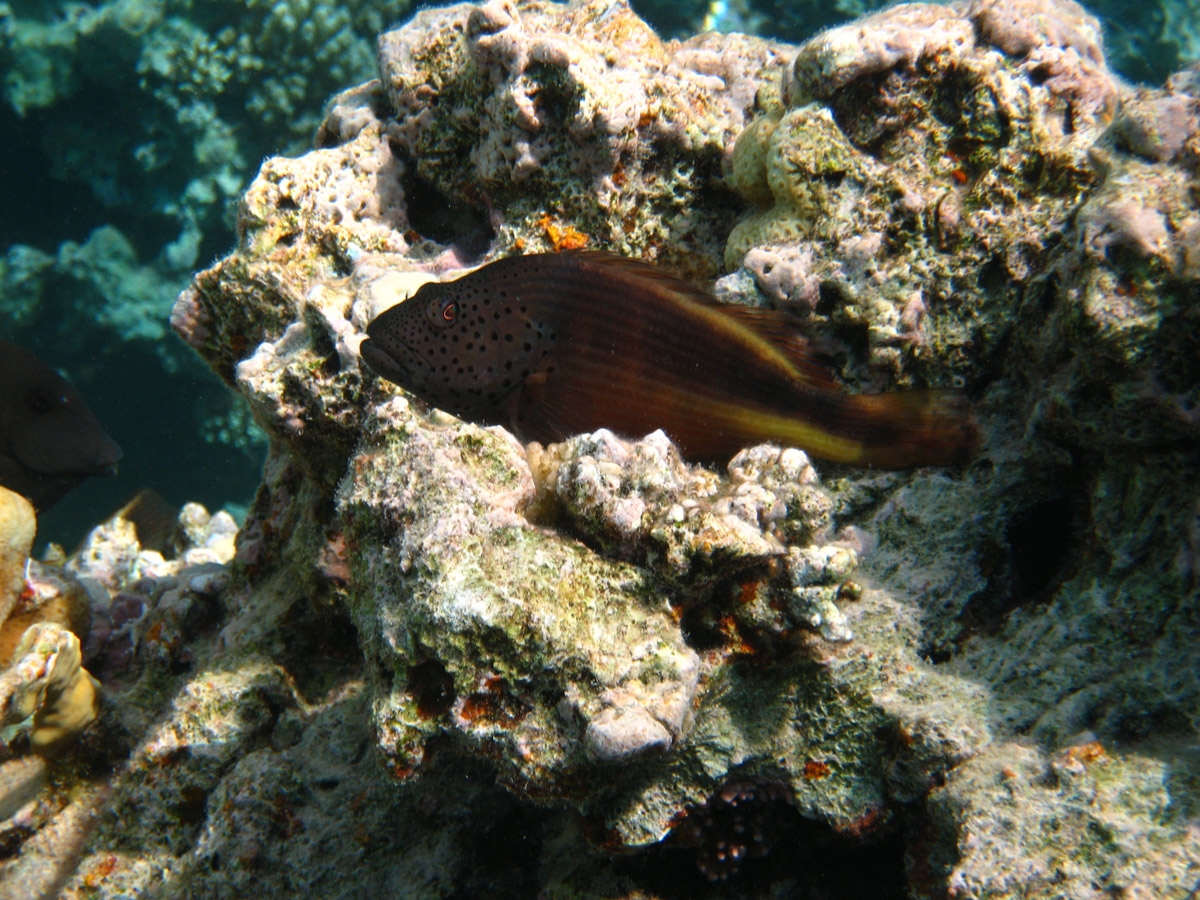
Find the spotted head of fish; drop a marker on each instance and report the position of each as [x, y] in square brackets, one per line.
[464, 346]
[49, 439]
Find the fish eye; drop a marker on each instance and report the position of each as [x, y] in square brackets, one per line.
[449, 311]
[40, 402]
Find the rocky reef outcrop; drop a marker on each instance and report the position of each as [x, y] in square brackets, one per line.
[628, 676]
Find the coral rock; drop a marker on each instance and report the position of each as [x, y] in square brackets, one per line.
[18, 523]
[48, 682]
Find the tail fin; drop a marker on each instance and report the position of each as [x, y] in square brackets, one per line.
[913, 428]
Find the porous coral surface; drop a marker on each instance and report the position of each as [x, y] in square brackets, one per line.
[983, 680]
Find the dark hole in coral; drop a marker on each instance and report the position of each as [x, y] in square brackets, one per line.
[993, 274]
[1039, 541]
[331, 366]
[1040, 74]
[701, 628]
[1142, 718]
[1044, 293]
[748, 840]
[432, 687]
[11, 840]
[503, 842]
[203, 612]
[557, 97]
[856, 338]
[1033, 168]
[321, 650]
[1177, 345]
[192, 805]
[1041, 544]
[829, 296]
[871, 110]
[444, 219]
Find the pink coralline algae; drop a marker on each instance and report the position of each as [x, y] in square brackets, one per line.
[562, 101]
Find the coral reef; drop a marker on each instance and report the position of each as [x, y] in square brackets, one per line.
[17, 526]
[542, 114]
[47, 684]
[983, 679]
[42, 620]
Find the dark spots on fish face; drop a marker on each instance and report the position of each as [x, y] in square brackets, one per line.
[39, 402]
[49, 439]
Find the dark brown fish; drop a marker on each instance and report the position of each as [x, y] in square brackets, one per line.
[49, 439]
[551, 345]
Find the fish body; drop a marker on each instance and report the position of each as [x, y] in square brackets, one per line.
[49, 439]
[551, 345]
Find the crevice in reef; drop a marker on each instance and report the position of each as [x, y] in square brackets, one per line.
[1042, 545]
[321, 649]
[444, 219]
[749, 840]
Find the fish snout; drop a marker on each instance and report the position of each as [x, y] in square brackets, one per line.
[381, 362]
[108, 454]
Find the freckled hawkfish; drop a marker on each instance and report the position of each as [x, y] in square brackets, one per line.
[556, 344]
[49, 439]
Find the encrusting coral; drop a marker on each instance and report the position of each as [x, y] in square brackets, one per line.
[42, 678]
[18, 523]
[47, 681]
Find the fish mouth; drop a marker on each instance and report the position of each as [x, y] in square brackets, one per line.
[107, 458]
[381, 362]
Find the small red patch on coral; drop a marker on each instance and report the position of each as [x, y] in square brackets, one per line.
[562, 237]
[168, 757]
[815, 769]
[747, 592]
[1126, 287]
[493, 705]
[403, 771]
[288, 822]
[1087, 753]
[100, 871]
[863, 825]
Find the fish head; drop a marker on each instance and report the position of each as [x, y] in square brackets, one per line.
[51, 431]
[463, 346]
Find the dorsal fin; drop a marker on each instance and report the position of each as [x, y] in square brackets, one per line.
[780, 329]
[773, 325]
[647, 272]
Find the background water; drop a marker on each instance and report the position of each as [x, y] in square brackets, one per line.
[129, 129]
